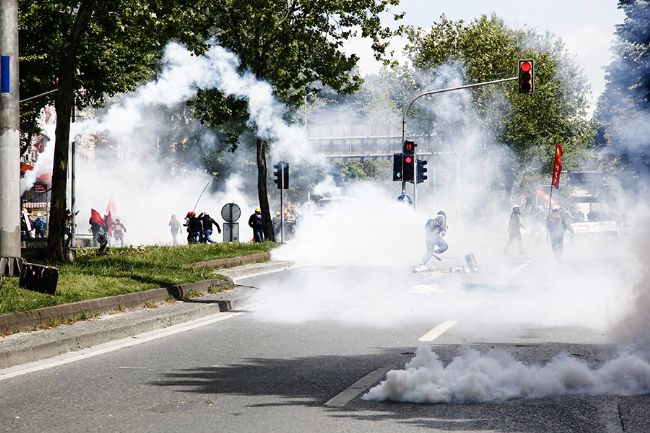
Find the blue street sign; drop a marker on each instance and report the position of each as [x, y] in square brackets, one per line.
[4, 74]
[403, 198]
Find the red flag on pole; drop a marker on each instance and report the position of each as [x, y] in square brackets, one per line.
[557, 166]
[111, 211]
[96, 217]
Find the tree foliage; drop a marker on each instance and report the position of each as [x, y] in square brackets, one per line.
[89, 50]
[294, 45]
[624, 107]
[486, 49]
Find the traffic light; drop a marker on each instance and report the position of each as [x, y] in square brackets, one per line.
[526, 77]
[421, 176]
[409, 147]
[397, 167]
[409, 168]
[281, 174]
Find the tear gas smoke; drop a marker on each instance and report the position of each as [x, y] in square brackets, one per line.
[145, 189]
[368, 229]
[496, 375]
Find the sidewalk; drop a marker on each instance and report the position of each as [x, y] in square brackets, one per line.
[23, 347]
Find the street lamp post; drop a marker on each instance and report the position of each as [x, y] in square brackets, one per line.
[10, 254]
[433, 92]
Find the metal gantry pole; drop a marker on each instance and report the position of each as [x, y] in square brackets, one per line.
[10, 254]
[433, 92]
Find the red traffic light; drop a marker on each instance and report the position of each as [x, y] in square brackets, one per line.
[526, 76]
[408, 159]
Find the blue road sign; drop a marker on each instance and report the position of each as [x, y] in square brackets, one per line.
[403, 198]
[4, 74]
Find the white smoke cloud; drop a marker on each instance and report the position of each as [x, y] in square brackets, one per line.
[380, 241]
[142, 186]
[497, 375]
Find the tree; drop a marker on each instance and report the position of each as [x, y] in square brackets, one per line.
[91, 50]
[296, 46]
[485, 50]
[622, 109]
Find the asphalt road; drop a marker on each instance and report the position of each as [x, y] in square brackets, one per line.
[313, 340]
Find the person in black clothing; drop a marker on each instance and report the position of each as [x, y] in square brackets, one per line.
[194, 228]
[256, 223]
[514, 230]
[207, 223]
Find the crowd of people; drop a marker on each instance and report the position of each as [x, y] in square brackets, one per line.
[105, 230]
[33, 225]
[199, 228]
[557, 223]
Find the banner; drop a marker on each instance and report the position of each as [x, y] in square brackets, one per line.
[557, 167]
[96, 217]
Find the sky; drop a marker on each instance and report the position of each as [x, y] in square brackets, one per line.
[586, 26]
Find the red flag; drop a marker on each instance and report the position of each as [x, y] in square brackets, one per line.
[110, 207]
[96, 217]
[109, 223]
[111, 210]
[557, 167]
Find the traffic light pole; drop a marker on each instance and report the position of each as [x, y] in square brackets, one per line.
[433, 92]
[282, 207]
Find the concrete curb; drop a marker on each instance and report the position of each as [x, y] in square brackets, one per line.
[29, 320]
[235, 274]
[230, 262]
[23, 347]
[32, 346]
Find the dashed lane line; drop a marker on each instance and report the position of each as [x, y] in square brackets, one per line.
[351, 392]
[519, 268]
[437, 331]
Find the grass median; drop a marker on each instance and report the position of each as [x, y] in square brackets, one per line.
[123, 270]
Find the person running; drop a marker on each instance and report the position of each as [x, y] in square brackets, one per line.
[194, 228]
[207, 223]
[257, 224]
[514, 230]
[118, 232]
[434, 231]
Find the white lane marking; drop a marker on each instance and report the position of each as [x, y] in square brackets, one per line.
[426, 289]
[519, 268]
[111, 346]
[612, 417]
[351, 392]
[437, 331]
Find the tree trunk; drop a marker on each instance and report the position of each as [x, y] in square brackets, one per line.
[262, 191]
[63, 105]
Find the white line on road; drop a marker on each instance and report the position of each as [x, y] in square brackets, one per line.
[437, 331]
[351, 392]
[111, 346]
[519, 268]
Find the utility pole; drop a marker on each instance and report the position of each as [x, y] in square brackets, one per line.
[10, 255]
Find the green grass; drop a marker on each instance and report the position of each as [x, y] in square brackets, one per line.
[123, 270]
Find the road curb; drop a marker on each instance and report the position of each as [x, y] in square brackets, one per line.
[30, 320]
[29, 347]
[252, 270]
[23, 347]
